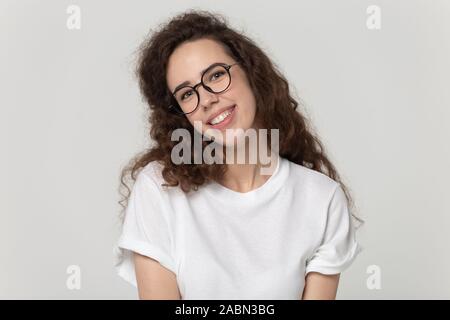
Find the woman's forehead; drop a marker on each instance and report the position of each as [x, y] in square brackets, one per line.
[189, 60]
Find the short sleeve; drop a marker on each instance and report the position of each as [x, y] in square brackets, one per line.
[145, 229]
[339, 247]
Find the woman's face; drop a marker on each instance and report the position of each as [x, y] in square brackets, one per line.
[233, 108]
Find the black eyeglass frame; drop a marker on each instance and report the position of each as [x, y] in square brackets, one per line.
[176, 107]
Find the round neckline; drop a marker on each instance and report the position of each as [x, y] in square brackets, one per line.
[270, 186]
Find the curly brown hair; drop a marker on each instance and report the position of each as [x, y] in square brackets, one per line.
[276, 108]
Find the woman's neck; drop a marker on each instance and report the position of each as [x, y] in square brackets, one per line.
[244, 177]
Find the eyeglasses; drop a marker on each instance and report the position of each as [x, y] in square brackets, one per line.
[215, 79]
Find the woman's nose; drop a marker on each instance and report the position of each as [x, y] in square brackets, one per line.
[206, 97]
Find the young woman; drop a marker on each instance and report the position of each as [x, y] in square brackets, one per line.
[226, 230]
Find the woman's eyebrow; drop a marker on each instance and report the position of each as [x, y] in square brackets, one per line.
[188, 82]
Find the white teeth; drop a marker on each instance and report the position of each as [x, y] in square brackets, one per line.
[221, 117]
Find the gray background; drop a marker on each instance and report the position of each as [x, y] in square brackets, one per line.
[71, 117]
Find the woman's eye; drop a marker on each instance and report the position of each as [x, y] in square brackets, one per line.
[217, 75]
[186, 95]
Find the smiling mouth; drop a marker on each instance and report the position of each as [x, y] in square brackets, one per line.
[222, 117]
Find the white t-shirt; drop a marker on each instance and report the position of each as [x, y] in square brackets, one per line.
[224, 244]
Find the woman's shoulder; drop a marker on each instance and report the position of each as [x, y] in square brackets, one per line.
[152, 171]
[312, 179]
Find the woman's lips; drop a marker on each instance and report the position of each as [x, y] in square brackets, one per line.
[226, 121]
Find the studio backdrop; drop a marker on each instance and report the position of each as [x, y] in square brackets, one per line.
[372, 76]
